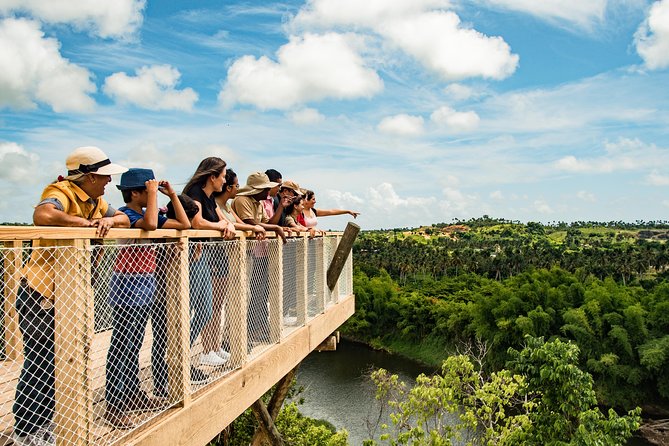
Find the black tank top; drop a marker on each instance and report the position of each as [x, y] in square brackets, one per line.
[208, 203]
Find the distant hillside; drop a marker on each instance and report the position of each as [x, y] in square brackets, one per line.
[499, 248]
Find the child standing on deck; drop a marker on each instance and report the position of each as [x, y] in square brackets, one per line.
[131, 293]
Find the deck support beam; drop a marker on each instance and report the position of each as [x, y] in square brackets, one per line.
[263, 436]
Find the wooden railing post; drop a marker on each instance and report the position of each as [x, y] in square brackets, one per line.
[178, 322]
[301, 273]
[239, 303]
[275, 290]
[74, 324]
[12, 269]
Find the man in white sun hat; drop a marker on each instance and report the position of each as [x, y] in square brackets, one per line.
[74, 200]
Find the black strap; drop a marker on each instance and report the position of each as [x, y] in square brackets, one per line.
[88, 168]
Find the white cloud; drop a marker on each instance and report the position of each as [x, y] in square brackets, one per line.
[368, 14]
[657, 179]
[459, 92]
[306, 116]
[438, 41]
[652, 37]
[308, 68]
[457, 203]
[34, 71]
[665, 203]
[402, 125]
[425, 30]
[117, 18]
[454, 120]
[385, 198]
[344, 200]
[497, 195]
[17, 164]
[542, 207]
[586, 196]
[579, 12]
[153, 87]
[623, 155]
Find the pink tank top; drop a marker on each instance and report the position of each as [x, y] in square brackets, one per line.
[309, 221]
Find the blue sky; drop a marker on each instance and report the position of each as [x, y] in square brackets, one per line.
[410, 111]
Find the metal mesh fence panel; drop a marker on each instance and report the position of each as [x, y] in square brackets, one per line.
[345, 282]
[314, 276]
[110, 336]
[292, 272]
[264, 311]
[46, 355]
[329, 247]
[214, 310]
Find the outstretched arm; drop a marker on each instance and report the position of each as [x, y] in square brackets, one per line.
[330, 212]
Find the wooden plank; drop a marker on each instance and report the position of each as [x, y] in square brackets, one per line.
[71, 233]
[8, 233]
[178, 322]
[341, 253]
[329, 345]
[275, 290]
[73, 298]
[220, 403]
[9, 371]
[12, 276]
[342, 311]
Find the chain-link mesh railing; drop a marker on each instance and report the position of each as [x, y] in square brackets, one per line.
[99, 339]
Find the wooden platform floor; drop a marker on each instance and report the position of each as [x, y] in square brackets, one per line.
[103, 433]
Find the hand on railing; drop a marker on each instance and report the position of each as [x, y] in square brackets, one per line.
[103, 225]
[259, 232]
[313, 232]
[280, 232]
[228, 230]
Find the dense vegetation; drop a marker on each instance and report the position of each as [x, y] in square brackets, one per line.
[497, 249]
[541, 398]
[430, 291]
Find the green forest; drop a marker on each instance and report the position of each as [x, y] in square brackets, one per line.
[603, 286]
[544, 333]
[490, 287]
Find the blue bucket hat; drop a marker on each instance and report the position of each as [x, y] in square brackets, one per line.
[135, 178]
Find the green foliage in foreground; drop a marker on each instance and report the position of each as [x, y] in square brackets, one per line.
[295, 428]
[542, 398]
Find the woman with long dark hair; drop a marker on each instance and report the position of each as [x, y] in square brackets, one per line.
[209, 177]
[216, 350]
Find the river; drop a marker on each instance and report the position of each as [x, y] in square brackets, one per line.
[337, 391]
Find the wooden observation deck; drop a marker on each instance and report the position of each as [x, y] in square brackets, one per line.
[307, 292]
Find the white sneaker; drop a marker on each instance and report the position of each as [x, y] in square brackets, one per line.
[225, 356]
[44, 436]
[212, 359]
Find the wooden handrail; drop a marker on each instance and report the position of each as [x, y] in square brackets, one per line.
[60, 233]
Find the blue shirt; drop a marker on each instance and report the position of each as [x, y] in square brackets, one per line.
[134, 216]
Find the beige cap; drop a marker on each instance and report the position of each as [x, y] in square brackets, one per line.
[256, 182]
[292, 185]
[90, 159]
